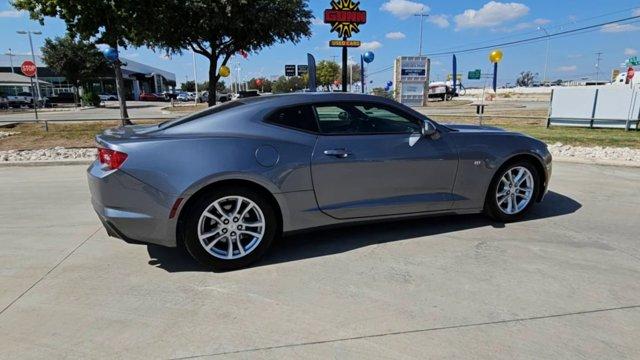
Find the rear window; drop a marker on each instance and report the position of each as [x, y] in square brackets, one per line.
[210, 111]
[298, 117]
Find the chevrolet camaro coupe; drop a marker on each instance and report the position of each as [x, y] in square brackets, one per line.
[226, 181]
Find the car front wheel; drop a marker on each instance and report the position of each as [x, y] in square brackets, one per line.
[512, 192]
[230, 228]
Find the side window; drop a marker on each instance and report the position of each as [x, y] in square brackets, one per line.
[363, 118]
[299, 117]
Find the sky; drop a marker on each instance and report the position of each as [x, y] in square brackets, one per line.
[392, 30]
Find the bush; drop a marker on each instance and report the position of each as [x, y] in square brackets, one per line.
[91, 98]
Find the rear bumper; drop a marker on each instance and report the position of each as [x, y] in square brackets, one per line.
[130, 209]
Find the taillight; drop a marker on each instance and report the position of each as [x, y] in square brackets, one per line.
[111, 158]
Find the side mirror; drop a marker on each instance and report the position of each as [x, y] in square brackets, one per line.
[428, 129]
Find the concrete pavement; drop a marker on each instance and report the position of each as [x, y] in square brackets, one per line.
[562, 284]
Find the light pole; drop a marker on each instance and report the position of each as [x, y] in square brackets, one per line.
[422, 15]
[195, 76]
[33, 57]
[599, 57]
[546, 60]
[10, 54]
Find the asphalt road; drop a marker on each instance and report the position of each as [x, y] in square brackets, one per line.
[136, 109]
[562, 284]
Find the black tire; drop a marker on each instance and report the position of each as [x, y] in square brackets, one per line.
[491, 207]
[195, 247]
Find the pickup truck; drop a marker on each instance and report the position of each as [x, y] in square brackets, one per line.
[20, 99]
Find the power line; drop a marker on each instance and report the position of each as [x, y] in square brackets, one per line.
[532, 39]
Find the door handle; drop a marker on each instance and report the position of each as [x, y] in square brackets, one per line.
[339, 153]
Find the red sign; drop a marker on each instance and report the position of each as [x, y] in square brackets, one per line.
[630, 74]
[345, 16]
[28, 68]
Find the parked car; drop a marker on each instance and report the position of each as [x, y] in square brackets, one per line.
[108, 97]
[63, 98]
[220, 97]
[151, 97]
[4, 103]
[168, 95]
[226, 181]
[183, 97]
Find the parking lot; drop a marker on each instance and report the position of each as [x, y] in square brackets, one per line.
[564, 283]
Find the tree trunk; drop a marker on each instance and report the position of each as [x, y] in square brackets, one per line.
[76, 95]
[124, 115]
[213, 80]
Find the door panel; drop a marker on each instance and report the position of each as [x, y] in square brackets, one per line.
[388, 174]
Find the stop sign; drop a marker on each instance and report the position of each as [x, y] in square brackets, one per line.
[28, 68]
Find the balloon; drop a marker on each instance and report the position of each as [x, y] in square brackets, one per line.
[224, 71]
[386, 88]
[368, 57]
[495, 56]
[389, 83]
[110, 53]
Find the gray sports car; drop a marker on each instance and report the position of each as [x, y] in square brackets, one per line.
[226, 181]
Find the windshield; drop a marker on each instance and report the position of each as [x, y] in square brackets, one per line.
[209, 111]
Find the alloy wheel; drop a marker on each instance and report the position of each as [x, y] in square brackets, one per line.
[231, 227]
[515, 190]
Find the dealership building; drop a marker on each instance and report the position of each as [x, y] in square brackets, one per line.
[138, 78]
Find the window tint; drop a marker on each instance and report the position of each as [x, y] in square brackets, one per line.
[299, 117]
[210, 111]
[362, 118]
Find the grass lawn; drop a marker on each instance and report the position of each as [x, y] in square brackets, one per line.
[33, 136]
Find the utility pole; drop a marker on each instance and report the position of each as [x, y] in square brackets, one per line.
[422, 15]
[599, 54]
[33, 57]
[546, 60]
[10, 54]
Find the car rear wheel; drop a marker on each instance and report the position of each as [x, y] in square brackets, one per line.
[512, 192]
[230, 228]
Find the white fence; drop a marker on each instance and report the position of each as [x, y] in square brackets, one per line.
[596, 107]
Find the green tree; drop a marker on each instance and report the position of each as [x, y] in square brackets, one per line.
[218, 29]
[327, 72]
[287, 85]
[188, 86]
[114, 23]
[76, 60]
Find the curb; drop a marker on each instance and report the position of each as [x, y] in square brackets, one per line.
[573, 160]
[45, 163]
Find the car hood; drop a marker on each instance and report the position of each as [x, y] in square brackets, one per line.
[473, 128]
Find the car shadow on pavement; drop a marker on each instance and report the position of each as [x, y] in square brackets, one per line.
[346, 238]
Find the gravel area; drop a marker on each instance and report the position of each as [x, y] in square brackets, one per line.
[51, 154]
[595, 153]
[558, 150]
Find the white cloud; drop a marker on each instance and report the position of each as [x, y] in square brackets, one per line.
[373, 45]
[440, 21]
[635, 12]
[630, 52]
[403, 8]
[617, 28]
[396, 35]
[491, 14]
[574, 56]
[10, 13]
[541, 21]
[567, 68]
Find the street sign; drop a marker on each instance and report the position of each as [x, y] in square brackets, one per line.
[633, 61]
[344, 43]
[290, 70]
[28, 68]
[303, 69]
[474, 75]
